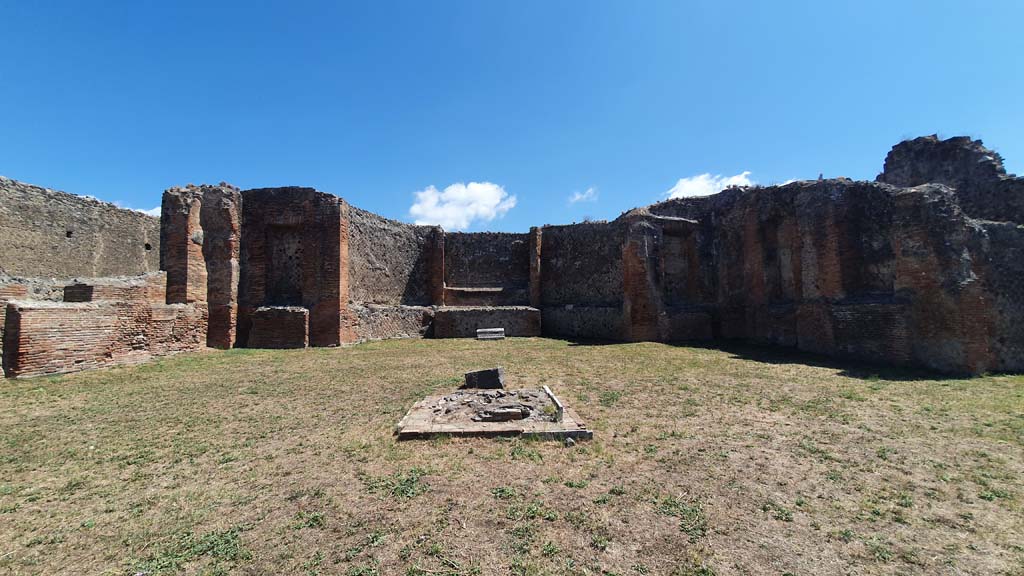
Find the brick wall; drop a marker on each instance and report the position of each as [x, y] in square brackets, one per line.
[56, 337]
[279, 327]
[8, 291]
[851, 269]
[294, 252]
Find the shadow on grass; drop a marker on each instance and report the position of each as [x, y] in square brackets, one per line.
[851, 368]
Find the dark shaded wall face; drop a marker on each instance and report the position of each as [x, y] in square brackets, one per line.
[581, 281]
[486, 268]
[486, 259]
[284, 271]
[582, 265]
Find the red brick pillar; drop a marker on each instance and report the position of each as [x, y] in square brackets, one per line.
[535, 245]
[348, 322]
[436, 259]
[9, 292]
[642, 297]
[181, 245]
[200, 233]
[220, 221]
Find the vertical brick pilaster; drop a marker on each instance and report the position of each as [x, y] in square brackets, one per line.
[347, 321]
[436, 258]
[220, 219]
[535, 261]
[641, 295]
[181, 246]
[323, 268]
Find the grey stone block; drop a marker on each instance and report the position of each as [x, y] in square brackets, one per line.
[490, 378]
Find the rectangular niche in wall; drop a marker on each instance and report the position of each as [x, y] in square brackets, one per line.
[284, 272]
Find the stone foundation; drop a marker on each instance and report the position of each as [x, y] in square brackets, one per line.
[279, 327]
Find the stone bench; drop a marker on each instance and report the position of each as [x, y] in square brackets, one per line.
[490, 334]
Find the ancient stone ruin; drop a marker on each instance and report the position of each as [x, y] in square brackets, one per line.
[922, 267]
[483, 407]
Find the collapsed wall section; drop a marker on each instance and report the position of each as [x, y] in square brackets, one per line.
[983, 188]
[51, 234]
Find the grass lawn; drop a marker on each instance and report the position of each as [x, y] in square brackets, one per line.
[704, 461]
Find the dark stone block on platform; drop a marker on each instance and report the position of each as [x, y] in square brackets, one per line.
[492, 378]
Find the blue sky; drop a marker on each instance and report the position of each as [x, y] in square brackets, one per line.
[463, 106]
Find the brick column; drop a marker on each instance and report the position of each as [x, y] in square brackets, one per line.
[348, 322]
[181, 245]
[535, 260]
[436, 260]
[220, 220]
[200, 233]
[642, 298]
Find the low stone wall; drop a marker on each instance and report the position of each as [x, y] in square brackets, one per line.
[464, 322]
[376, 322]
[56, 337]
[583, 322]
[279, 327]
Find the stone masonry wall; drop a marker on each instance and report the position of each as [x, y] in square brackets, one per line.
[922, 267]
[580, 288]
[395, 274]
[855, 269]
[984, 190]
[51, 234]
[389, 261]
[486, 268]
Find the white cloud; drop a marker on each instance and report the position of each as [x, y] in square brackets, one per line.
[706, 184]
[151, 212]
[459, 205]
[588, 195]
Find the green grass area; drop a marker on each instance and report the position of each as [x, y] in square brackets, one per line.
[704, 461]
